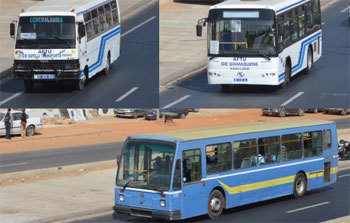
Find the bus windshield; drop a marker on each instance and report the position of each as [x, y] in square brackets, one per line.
[146, 165]
[54, 32]
[242, 32]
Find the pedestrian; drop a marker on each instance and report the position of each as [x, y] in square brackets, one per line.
[8, 123]
[23, 123]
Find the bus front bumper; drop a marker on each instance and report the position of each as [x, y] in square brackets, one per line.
[148, 213]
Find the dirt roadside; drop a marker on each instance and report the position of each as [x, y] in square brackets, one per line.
[108, 129]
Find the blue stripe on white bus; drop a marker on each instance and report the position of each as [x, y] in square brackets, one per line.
[304, 45]
[102, 49]
[290, 6]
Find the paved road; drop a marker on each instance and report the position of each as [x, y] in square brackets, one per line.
[327, 86]
[133, 78]
[15, 162]
[328, 203]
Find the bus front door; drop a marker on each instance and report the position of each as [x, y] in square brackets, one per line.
[193, 189]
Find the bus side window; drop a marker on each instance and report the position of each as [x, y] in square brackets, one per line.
[301, 20]
[177, 176]
[269, 149]
[95, 22]
[108, 14]
[191, 164]
[219, 158]
[294, 26]
[291, 147]
[280, 25]
[313, 144]
[310, 18]
[317, 13]
[245, 153]
[287, 29]
[115, 12]
[327, 139]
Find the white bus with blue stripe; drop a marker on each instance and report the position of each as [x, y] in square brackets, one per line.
[66, 41]
[261, 42]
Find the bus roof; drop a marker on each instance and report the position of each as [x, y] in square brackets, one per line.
[276, 5]
[194, 134]
[65, 6]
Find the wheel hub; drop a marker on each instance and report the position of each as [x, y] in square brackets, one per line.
[215, 204]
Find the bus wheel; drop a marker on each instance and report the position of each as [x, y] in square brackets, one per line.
[287, 76]
[28, 85]
[215, 204]
[282, 113]
[108, 65]
[309, 61]
[300, 185]
[79, 84]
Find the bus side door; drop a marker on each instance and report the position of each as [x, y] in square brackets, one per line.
[193, 203]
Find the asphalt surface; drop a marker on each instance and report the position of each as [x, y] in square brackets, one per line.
[317, 206]
[327, 86]
[15, 162]
[133, 80]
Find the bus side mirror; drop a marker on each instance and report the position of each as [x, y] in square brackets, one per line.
[12, 29]
[81, 30]
[199, 30]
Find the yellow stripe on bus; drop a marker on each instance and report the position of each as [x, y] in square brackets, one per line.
[271, 183]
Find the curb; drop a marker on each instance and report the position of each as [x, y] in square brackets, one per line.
[124, 16]
[179, 75]
[55, 170]
[58, 136]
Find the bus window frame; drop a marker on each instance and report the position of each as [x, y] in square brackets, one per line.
[201, 167]
[217, 144]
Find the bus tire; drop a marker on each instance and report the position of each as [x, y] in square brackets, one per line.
[309, 61]
[300, 186]
[216, 203]
[287, 76]
[108, 65]
[28, 85]
[79, 84]
[282, 113]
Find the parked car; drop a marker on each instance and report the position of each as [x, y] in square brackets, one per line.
[129, 112]
[313, 110]
[176, 113]
[151, 114]
[339, 111]
[33, 124]
[282, 112]
[193, 109]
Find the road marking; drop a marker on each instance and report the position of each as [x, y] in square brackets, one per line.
[344, 10]
[292, 99]
[127, 94]
[10, 98]
[138, 26]
[312, 206]
[176, 102]
[13, 164]
[346, 175]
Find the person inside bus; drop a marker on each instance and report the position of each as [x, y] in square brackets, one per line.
[186, 170]
[167, 165]
[158, 164]
[214, 158]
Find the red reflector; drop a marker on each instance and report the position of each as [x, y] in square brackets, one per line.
[203, 182]
[162, 195]
[121, 191]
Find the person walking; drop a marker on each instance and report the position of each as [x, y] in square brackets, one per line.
[23, 123]
[8, 123]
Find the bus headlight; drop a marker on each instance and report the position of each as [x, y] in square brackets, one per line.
[121, 198]
[162, 203]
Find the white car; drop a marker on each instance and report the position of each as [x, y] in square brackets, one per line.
[33, 124]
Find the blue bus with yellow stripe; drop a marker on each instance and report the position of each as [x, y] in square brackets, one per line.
[182, 174]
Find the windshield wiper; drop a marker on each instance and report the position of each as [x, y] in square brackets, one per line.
[156, 188]
[127, 184]
[264, 55]
[68, 43]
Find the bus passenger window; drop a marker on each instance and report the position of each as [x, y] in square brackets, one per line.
[328, 139]
[291, 147]
[244, 155]
[269, 149]
[177, 176]
[313, 144]
[219, 158]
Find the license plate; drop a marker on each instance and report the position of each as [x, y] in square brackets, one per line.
[240, 80]
[44, 76]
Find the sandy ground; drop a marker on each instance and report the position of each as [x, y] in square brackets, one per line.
[109, 129]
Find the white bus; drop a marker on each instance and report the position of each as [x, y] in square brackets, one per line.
[261, 42]
[66, 40]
